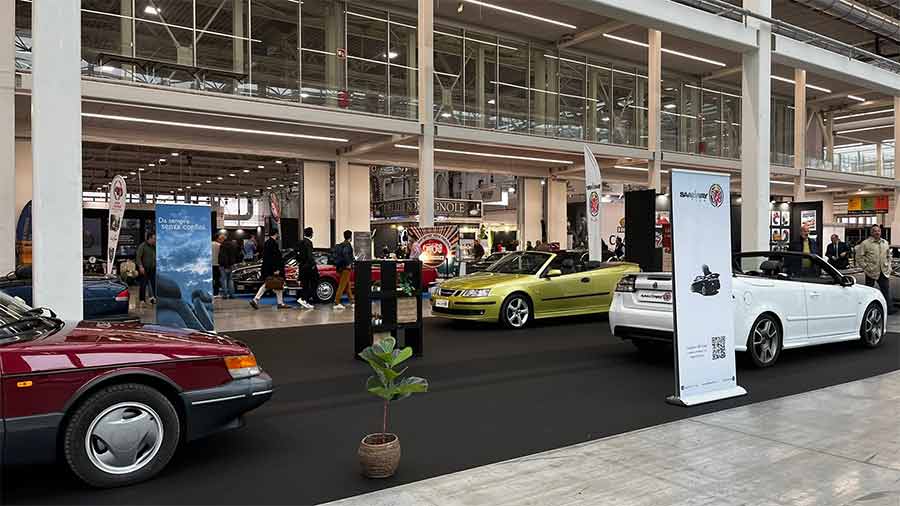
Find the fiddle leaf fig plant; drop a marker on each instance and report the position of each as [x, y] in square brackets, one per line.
[387, 383]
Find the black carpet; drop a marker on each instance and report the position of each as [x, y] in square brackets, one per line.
[495, 395]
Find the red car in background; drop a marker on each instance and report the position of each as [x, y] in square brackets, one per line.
[115, 400]
[247, 277]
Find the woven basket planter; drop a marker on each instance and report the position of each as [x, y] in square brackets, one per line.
[378, 459]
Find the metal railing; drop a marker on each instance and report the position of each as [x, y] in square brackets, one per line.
[740, 14]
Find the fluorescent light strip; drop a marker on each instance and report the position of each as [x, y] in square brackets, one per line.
[520, 13]
[664, 50]
[810, 86]
[857, 115]
[854, 97]
[854, 130]
[808, 185]
[489, 155]
[211, 127]
[642, 169]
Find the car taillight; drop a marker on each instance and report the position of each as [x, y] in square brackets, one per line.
[626, 284]
[242, 366]
[123, 296]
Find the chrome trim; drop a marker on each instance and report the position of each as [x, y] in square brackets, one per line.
[262, 392]
[221, 399]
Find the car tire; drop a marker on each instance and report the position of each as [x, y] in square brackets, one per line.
[871, 330]
[516, 311]
[325, 290]
[137, 418]
[764, 342]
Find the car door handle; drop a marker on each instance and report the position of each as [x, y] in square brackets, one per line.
[814, 294]
[585, 280]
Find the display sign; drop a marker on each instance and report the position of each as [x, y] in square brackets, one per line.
[704, 310]
[593, 185]
[184, 266]
[445, 208]
[868, 205]
[117, 198]
[436, 247]
[362, 245]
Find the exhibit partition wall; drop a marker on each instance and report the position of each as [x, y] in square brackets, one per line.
[640, 222]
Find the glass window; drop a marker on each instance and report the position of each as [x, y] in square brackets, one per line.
[165, 44]
[367, 82]
[731, 125]
[599, 98]
[480, 80]
[529, 262]
[624, 119]
[322, 33]
[222, 42]
[572, 95]
[544, 93]
[403, 64]
[23, 34]
[513, 80]
[671, 115]
[448, 87]
[711, 120]
[276, 69]
[104, 34]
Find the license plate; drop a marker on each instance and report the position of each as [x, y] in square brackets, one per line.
[445, 303]
[655, 297]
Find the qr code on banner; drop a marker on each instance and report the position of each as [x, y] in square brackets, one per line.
[718, 347]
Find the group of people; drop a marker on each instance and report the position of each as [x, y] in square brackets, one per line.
[272, 271]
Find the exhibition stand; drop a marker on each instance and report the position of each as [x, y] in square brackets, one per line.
[388, 292]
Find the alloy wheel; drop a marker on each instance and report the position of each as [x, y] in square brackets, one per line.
[325, 291]
[517, 312]
[765, 341]
[124, 438]
[873, 326]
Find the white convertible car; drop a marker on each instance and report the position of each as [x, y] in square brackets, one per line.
[781, 300]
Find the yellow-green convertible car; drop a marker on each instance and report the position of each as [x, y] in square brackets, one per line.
[527, 285]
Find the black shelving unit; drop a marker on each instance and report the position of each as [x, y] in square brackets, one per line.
[407, 333]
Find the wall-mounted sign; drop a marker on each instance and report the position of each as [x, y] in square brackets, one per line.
[435, 246]
[868, 205]
[445, 208]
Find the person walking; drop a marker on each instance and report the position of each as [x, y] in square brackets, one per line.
[146, 264]
[343, 261]
[229, 255]
[838, 253]
[875, 259]
[478, 251]
[217, 273]
[272, 271]
[309, 273]
[250, 249]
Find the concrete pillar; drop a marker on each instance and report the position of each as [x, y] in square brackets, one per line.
[827, 211]
[7, 136]
[238, 28]
[593, 93]
[334, 39]
[352, 207]
[24, 174]
[480, 81]
[317, 201]
[800, 134]
[529, 210]
[56, 138]
[879, 159]
[894, 217]
[538, 98]
[557, 212]
[755, 133]
[829, 139]
[426, 112]
[125, 28]
[654, 108]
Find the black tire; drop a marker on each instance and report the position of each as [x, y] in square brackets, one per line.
[765, 341]
[871, 330]
[152, 454]
[516, 312]
[321, 291]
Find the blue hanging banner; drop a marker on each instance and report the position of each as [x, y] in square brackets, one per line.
[184, 266]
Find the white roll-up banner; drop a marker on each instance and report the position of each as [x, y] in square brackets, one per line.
[704, 308]
[593, 185]
[117, 199]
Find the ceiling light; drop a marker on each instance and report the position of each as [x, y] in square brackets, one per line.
[219, 178]
[489, 155]
[124, 177]
[604, 119]
[783, 182]
[273, 179]
[268, 187]
[883, 111]
[446, 115]
[281, 186]
[814, 185]
[520, 13]
[512, 189]
[543, 182]
[492, 101]
[854, 97]
[667, 51]
[133, 173]
[162, 160]
[141, 169]
[460, 7]
[810, 86]
[198, 184]
[209, 182]
[279, 162]
[246, 171]
[260, 166]
[212, 127]
[181, 189]
[151, 165]
[392, 54]
[232, 175]
[670, 106]
[851, 145]
[153, 11]
[854, 130]
[174, 154]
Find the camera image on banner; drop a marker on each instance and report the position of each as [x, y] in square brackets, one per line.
[704, 309]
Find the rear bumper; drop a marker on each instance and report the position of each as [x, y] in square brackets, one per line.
[639, 323]
[220, 408]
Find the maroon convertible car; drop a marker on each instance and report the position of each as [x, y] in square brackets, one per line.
[115, 400]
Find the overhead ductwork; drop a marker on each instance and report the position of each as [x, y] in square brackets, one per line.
[860, 15]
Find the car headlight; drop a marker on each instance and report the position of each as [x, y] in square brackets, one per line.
[481, 292]
[242, 366]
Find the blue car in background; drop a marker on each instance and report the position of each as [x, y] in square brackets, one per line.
[105, 298]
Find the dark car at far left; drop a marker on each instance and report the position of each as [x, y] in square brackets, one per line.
[105, 297]
[115, 400]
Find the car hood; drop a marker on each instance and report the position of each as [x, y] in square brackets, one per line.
[481, 280]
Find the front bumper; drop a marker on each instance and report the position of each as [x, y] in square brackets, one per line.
[220, 408]
[467, 308]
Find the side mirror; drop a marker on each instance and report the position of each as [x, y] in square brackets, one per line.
[848, 281]
[552, 273]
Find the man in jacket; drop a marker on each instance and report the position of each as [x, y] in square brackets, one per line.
[343, 262]
[309, 273]
[229, 253]
[272, 267]
[146, 264]
[804, 244]
[837, 253]
[875, 259]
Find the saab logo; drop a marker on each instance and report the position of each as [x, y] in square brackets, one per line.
[667, 297]
[118, 191]
[595, 204]
[716, 195]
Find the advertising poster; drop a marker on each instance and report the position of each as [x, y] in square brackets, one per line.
[704, 310]
[593, 185]
[184, 266]
[362, 245]
[808, 218]
[436, 247]
[117, 197]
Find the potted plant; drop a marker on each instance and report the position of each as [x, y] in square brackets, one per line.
[379, 453]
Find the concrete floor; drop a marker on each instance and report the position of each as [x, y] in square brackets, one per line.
[835, 446]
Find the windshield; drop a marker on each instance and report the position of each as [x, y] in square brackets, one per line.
[17, 319]
[11, 309]
[528, 262]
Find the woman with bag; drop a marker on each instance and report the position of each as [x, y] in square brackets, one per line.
[272, 272]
